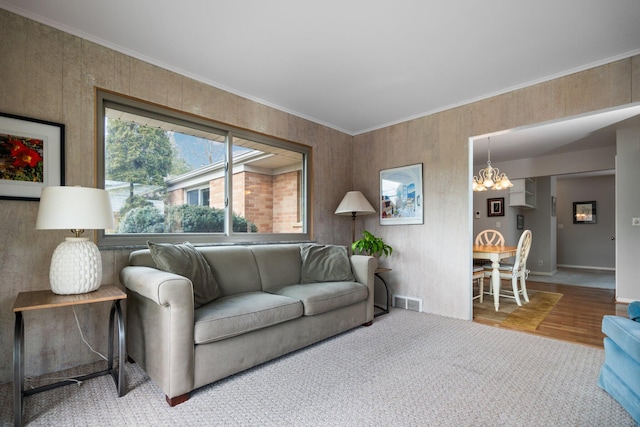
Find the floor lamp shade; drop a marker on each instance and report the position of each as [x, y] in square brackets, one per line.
[76, 264]
[354, 203]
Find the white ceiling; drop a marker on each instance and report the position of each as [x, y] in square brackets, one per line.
[356, 65]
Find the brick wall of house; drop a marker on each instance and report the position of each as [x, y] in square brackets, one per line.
[270, 202]
[176, 197]
[258, 199]
[286, 203]
[216, 193]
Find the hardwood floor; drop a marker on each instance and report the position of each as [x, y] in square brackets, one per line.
[577, 317]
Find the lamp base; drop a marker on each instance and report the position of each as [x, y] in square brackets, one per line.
[76, 267]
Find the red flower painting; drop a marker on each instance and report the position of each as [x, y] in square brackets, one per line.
[21, 158]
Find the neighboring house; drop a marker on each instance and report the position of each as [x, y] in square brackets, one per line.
[268, 197]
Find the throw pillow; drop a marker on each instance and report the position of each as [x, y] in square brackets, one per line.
[634, 311]
[185, 260]
[325, 263]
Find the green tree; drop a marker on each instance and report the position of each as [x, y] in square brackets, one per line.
[137, 154]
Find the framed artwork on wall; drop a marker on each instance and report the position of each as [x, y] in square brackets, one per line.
[520, 222]
[31, 156]
[401, 200]
[495, 207]
[584, 212]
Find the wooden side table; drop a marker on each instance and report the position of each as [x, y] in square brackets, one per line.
[385, 309]
[38, 300]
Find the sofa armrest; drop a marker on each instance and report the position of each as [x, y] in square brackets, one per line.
[160, 322]
[159, 286]
[625, 333]
[363, 268]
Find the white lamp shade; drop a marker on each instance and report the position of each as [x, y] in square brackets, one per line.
[74, 208]
[354, 201]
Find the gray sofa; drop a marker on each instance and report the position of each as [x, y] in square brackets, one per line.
[270, 300]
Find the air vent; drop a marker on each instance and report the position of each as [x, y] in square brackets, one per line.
[408, 303]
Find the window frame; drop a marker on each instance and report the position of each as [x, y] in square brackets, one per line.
[108, 99]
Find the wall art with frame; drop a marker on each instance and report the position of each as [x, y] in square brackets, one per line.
[495, 207]
[31, 156]
[401, 200]
[584, 212]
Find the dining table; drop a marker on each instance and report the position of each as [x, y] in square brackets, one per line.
[494, 254]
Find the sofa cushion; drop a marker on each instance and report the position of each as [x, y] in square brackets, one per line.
[279, 264]
[240, 313]
[634, 311]
[325, 263]
[322, 297]
[234, 268]
[185, 260]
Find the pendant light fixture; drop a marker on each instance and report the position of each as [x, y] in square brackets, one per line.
[490, 178]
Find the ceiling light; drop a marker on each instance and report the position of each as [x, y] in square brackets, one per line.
[490, 178]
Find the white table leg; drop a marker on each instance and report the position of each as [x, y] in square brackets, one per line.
[495, 281]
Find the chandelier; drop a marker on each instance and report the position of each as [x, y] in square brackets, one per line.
[490, 178]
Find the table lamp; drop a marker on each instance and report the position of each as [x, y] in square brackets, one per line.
[354, 203]
[76, 264]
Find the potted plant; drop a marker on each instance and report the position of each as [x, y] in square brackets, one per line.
[371, 245]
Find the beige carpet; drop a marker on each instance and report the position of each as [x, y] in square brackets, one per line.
[407, 369]
[527, 317]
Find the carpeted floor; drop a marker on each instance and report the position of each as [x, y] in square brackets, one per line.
[407, 368]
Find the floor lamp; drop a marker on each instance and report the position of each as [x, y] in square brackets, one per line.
[354, 203]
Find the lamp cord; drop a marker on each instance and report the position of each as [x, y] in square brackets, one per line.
[82, 336]
[77, 381]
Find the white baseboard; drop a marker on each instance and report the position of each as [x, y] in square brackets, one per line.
[587, 267]
[543, 273]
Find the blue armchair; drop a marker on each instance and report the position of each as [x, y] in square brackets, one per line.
[620, 374]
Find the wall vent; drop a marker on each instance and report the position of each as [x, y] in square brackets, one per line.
[408, 303]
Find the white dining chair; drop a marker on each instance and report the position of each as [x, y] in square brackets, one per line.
[490, 237]
[517, 271]
[478, 280]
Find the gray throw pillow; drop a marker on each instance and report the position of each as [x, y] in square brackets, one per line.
[185, 260]
[325, 263]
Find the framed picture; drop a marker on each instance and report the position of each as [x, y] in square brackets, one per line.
[495, 207]
[520, 222]
[401, 200]
[31, 156]
[584, 212]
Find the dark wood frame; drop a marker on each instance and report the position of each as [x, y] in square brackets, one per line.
[586, 211]
[495, 206]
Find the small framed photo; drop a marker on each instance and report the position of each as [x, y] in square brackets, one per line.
[584, 212]
[401, 199]
[495, 207]
[520, 222]
[31, 156]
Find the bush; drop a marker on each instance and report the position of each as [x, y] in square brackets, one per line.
[179, 219]
[145, 219]
[202, 219]
[133, 202]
